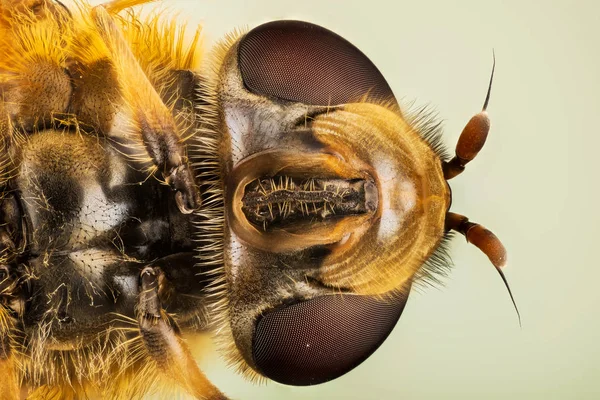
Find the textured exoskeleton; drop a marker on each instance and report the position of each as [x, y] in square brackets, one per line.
[276, 194]
[90, 237]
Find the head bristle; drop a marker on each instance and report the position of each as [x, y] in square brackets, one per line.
[209, 237]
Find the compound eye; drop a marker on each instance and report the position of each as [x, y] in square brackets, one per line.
[318, 340]
[302, 62]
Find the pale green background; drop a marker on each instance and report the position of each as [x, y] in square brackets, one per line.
[535, 185]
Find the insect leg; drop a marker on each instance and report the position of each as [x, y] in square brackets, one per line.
[163, 342]
[159, 133]
[471, 139]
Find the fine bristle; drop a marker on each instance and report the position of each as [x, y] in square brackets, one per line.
[104, 366]
[210, 225]
[423, 119]
[117, 6]
[427, 123]
[159, 44]
[8, 169]
[436, 268]
[27, 41]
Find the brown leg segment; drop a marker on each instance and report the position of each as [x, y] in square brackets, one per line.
[158, 128]
[163, 341]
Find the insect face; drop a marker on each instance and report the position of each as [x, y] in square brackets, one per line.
[333, 202]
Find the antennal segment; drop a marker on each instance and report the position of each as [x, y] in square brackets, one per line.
[485, 241]
[472, 138]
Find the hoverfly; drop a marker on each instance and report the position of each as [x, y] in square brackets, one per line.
[277, 195]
